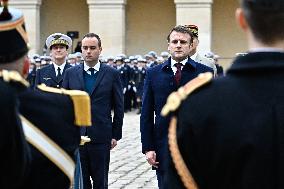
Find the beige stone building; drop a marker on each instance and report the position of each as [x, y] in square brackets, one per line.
[135, 26]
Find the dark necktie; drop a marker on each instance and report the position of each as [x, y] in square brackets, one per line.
[178, 73]
[92, 70]
[59, 75]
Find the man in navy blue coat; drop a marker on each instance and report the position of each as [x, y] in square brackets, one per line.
[160, 81]
[103, 84]
[52, 75]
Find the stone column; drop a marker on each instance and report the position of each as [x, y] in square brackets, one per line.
[107, 19]
[31, 11]
[197, 12]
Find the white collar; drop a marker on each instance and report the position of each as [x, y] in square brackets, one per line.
[61, 67]
[96, 67]
[173, 62]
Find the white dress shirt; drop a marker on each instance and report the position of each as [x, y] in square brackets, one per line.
[61, 67]
[96, 67]
[173, 62]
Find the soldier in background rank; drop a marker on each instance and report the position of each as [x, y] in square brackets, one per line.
[229, 132]
[52, 75]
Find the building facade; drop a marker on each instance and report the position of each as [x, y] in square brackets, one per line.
[133, 26]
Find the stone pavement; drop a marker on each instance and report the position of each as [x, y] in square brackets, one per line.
[128, 166]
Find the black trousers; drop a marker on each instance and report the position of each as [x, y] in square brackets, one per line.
[95, 164]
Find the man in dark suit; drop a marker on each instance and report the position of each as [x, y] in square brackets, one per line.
[52, 75]
[103, 84]
[160, 81]
[230, 131]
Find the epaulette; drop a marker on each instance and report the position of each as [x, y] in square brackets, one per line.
[13, 76]
[81, 103]
[174, 100]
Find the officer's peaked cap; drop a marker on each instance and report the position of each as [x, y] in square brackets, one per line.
[58, 39]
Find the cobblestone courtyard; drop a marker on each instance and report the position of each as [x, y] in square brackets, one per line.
[128, 166]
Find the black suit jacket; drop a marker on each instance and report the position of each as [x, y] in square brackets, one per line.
[105, 96]
[47, 76]
[231, 131]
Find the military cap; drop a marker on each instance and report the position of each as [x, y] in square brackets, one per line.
[78, 54]
[118, 58]
[13, 34]
[140, 59]
[264, 5]
[110, 58]
[131, 58]
[72, 56]
[58, 39]
[153, 54]
[164, 54]
[193, 29]
[123, 56]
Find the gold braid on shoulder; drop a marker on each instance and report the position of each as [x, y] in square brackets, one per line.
[173, 102]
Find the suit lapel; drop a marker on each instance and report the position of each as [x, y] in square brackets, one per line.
[51, 72]
[100, 75]
[80, 74]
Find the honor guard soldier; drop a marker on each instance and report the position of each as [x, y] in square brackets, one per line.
[16, 157]
[53, 134]
[52, 75]
[194, 55]
[228, 133]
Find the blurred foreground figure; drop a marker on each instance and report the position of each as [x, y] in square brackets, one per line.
[229, 131]
[52, 134]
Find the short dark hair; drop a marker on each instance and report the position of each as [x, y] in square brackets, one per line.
[94, 35]
[181, 29]
[265, 18]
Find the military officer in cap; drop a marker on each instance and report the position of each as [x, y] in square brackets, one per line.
[52, 75]
[52, 153]
[15, 158]
[229, 131]
[194, 55]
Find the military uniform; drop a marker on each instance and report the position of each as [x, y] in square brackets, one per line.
[230, 131]
[16, 157]
[50, 75]
[59, 126]
[48, 129]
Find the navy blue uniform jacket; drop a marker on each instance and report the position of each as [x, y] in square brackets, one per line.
[47, 76]
[231, 131]
[106, 94]
[159, 83]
